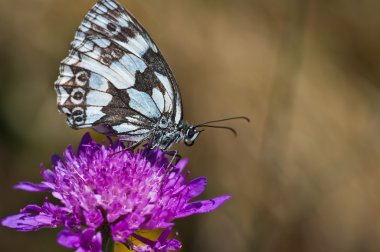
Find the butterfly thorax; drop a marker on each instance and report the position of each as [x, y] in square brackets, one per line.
[167, 133]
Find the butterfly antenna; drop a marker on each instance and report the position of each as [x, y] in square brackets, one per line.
[219, 127]
[225, 119]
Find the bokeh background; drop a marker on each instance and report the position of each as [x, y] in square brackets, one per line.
[304, 174]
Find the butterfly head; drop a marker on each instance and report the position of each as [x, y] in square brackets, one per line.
[188, 132]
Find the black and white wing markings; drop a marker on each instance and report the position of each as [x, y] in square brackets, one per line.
[115, 79]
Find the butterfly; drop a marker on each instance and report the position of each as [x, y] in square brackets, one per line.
[116, 81]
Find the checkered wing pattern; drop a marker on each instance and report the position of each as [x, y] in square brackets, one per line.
[115, 79]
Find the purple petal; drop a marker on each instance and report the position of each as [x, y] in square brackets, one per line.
[142, 239]
[165, 244]
[27, 222]
[88, 241]
[94, 218]
[13, 221]
[195, 187]
[87, 235]
[173, 244]
[48, 176]
[161, 245]
[165, 234]
[31, 187]
[168, 244]
[120, 232]
[97, 241]
[203, 206]
[91, 241]
[175, 177]
[45, 220]
[142, 248]
[32, 209]
[69, 155]
[124, 228]
[57, 195]
[55, 159]
[68, 239]
[181, 165]
[86, 139]
[54, 209]
[33, 217]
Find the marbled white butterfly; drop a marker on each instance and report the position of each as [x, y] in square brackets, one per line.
[116, 81]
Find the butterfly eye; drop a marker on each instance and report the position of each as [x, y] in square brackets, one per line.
[191, 135]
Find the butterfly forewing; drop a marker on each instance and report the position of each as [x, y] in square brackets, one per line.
[115, 79]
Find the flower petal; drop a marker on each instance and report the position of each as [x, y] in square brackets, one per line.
[165, 234]
[48, 176]
[124, 228]
[194, 188]
[68, 239]
[86, 140]
[181, 164]
[142, 248]
[91, 241]
[55, 159]
[173, 244]
[169, 244]
[203, 206]
[88, 241]
[32, 209]
[27, 222]
[33, 217]
[93, 218]
[163, 244]
[31, 187]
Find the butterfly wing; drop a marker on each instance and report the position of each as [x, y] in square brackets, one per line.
[115, 79]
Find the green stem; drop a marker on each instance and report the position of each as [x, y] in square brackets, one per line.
[109, 245]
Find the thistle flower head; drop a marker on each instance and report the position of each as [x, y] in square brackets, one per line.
[108, 193]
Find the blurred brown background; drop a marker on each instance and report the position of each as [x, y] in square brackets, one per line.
[304, 174]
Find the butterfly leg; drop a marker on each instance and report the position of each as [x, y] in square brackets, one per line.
[175, 157]
[133, 146]
[130, 147]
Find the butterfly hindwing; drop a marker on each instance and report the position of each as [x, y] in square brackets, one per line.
[115, 80]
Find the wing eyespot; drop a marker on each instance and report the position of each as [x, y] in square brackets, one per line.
[77, 115]
[81, 78]
[77, 96]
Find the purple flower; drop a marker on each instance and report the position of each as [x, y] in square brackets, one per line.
[108, 193]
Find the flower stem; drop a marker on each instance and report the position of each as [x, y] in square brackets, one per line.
[109, 245]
